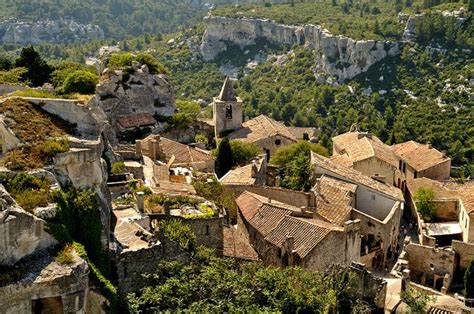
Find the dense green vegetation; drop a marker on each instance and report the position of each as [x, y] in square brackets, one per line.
[357, 19]
[424, 202]
[469, 280]
[294, 164]
[217, 285]
[29, 191]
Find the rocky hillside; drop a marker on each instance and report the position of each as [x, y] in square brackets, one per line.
[14, 31]
[340, 56]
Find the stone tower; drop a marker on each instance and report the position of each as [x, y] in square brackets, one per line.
[227, 110]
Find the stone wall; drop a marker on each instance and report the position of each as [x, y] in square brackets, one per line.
[209, 231]
[464, 252]
[8, 88]
[268, 144]
[8, 140]
[427, 263]
[446, 210]
[340, 56]
[132, 265]
[373, 166]
[438, 172]
[369, 287]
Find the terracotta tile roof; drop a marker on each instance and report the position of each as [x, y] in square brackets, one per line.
[444, 190]
[354, 176]
[343, 160]
[334, 203]
[275, 223]
[237, 245]
[137, 120]
[183, 154]
[241, 175]
[419, 156]
[360, 146]
[261, 127]
[306, 234]
[261, 216]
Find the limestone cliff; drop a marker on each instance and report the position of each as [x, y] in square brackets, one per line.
[340, 56]
[19, 32]
[83, 167]
[21, 232]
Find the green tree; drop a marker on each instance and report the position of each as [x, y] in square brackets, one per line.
[296, 174]
[224, 159]
[189, 107]
[80, 81]
[242, 152]
[416, 300]
[38, 71]
[469, 280]
[424, 203]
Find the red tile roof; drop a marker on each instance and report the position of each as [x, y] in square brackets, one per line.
[261, 127]
[334, 203]
[419, 156]
[237, 245]
[183, 154]
[137, 120]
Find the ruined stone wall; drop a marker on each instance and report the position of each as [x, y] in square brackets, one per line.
[209, 232]
[368, 287]
[421, 259]
[464, 252]
[132, 265]
[341, 56]
[8, 140]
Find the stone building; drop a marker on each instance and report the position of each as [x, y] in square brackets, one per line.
[265, 133]
[251, 174]
[367, 154]
[175, 154]
[421, 160]
[343, 193]
[227, 110]
[284, 235]
[454, 218]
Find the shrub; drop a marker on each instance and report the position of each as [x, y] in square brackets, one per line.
[80, 81]
[49, 148]
[31, 199]
[66, 255]
[118, 167]
[12, 76]
[424, 203]
[469, 280]
[120, 60]
[242, 152]
[416, 300]
[177, 231]
[29, 191]
[153, 65]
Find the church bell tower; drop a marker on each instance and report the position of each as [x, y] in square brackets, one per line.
[227, 110]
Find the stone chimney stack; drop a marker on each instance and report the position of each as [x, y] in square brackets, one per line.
[289, 248]
[140, 197]
[166, 208]
[138, 148]
[254, 169]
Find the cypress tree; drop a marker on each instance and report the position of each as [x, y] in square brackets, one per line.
[224, 159]
[469, 280]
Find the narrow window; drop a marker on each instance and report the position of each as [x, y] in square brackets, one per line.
[400, 164]
[207, 229]
[415, 175]
[373, 197]
[228, 112]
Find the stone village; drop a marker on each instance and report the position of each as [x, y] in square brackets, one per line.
[361, 210]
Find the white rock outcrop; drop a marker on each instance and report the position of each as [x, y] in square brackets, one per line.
[20, 32]
[340, 56]
[121, 93]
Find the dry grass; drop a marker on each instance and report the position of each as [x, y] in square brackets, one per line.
[41, 134]
[66, 255]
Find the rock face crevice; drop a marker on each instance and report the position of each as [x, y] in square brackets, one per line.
[340, 56]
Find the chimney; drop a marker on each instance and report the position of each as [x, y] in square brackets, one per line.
[289, 249]
[430, 146]
[303, 210]
[317, 187]
[138, 148]
[254, 169]
[443, 154]
[166, 208]
[140, 197]
[269, 200]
